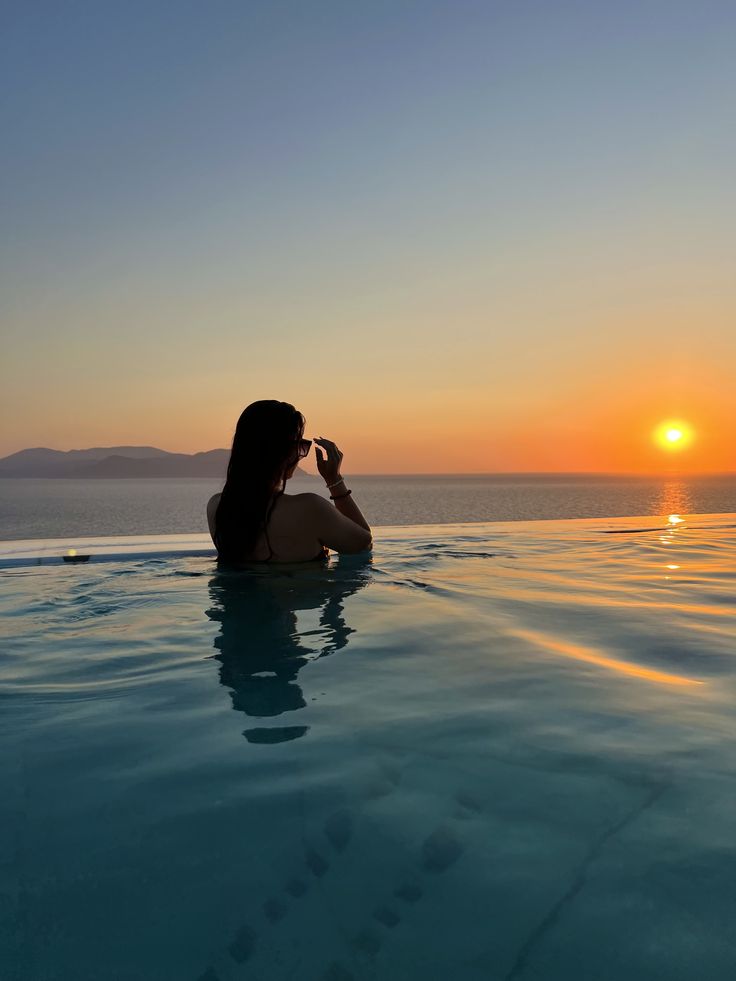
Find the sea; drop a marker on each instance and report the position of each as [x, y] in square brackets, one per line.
[33, 508]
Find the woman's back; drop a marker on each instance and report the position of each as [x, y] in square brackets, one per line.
[300, 528]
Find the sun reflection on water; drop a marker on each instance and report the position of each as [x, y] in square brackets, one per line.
[674, 500]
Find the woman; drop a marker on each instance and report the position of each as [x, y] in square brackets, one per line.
[254, 520]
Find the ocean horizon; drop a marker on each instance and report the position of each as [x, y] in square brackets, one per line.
[39, 507]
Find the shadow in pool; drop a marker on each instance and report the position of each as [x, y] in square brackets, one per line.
[262, 647]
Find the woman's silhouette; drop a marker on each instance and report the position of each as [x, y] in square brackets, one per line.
[259, 647]
[254, 520]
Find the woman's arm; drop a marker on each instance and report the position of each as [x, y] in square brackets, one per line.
[346, 505]
[347, 509]
[335, 530]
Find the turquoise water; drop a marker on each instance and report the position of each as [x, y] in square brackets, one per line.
[487, 752]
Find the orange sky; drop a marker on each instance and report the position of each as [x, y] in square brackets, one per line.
[553, 410]
[495, 241]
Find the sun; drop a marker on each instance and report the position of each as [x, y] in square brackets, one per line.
[673, 435]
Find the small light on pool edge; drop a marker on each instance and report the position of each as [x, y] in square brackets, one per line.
[72, 556]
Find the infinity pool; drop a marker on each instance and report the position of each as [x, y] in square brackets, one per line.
[488, 752]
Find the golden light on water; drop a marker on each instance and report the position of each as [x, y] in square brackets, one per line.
[673, 435]
[580, 652]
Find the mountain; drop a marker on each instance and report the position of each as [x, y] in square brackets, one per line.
[117, 462]
[114, 461]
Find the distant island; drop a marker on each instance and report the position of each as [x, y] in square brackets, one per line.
[114, 461]
[119, 462]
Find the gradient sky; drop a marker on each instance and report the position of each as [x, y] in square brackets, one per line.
[459, 236]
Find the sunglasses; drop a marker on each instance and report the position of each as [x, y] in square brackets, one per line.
[304, 445]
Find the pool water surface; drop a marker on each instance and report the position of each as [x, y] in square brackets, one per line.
[486, 751]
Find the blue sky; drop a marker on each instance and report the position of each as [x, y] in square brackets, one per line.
[396, 212]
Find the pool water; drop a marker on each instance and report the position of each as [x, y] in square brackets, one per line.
[486, 752]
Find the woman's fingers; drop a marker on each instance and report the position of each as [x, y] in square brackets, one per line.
[333, 452]
[323, 462]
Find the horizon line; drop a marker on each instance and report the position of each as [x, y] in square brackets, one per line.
[659, 474]
[542, 473]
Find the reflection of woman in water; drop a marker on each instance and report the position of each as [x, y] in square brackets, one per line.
[259, 647]
[254, 520]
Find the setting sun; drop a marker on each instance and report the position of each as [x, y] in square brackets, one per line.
[673, 435]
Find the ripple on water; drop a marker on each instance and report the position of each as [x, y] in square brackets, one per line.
[534, 722]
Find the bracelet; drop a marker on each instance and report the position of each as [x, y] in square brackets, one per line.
[339, 496]
[330, 486]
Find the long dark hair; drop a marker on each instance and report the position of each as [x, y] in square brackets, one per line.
[265, 447]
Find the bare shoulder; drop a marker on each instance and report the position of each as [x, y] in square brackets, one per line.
[211, 509]
[332, 528]
[307, 503]
[309, 498]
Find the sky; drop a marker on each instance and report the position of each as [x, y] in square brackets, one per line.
[458, 236]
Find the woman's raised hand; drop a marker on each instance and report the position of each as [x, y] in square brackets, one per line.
[328, 466]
